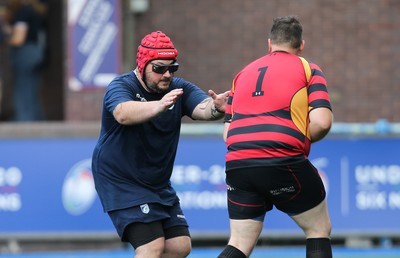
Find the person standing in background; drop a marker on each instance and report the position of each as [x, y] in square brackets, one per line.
[25, 19]
[278, 106]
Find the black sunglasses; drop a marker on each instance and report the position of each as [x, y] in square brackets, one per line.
[161, 69]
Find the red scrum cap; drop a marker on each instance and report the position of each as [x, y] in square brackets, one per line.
[155, 45]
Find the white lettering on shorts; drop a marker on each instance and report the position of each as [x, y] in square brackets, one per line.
[230, 188]
[289, 189]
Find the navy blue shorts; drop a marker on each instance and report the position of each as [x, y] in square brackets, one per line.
[292, 189]
[170, 216]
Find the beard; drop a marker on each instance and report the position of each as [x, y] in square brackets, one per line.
[161, 86]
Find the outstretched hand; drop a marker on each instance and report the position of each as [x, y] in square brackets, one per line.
[219, 100]
[170, 98]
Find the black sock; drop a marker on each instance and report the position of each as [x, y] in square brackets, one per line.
[231, 252]
[319, 248]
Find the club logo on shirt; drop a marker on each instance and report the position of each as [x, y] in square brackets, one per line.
[142, 99]
[145, 208]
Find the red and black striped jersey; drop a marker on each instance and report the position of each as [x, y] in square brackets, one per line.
[268, 110]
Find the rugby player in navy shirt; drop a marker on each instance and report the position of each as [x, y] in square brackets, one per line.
[134, 157]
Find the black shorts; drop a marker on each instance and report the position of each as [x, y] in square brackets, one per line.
[292, 189]
[147, 214]
[138, 234]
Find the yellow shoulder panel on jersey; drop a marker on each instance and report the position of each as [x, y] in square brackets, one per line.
[307, 68]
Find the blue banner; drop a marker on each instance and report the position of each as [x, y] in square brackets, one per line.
[361, 176]
[93, 43]
[46, 186]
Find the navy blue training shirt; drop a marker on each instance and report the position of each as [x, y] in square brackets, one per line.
[132, 164]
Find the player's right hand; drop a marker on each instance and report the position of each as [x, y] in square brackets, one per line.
[169, 99]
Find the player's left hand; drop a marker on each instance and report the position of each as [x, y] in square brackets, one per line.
[219, 100]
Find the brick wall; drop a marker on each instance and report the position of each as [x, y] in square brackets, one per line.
[356, 43]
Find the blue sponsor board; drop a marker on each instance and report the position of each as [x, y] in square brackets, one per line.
[93, 43]
[46, 186]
